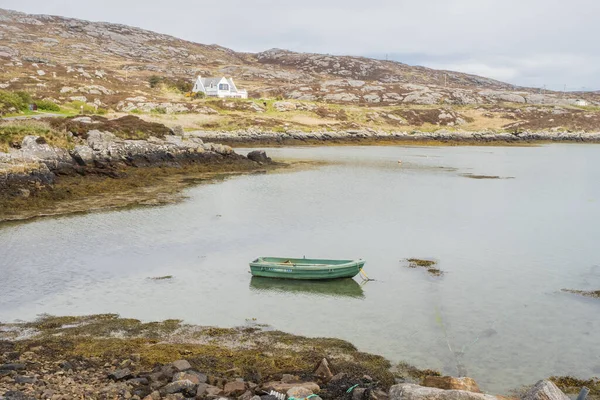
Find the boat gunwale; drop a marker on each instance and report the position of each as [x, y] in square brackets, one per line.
[259, 262]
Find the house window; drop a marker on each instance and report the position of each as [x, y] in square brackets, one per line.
[223, 86]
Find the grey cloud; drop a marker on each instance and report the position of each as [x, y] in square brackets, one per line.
[526, 42]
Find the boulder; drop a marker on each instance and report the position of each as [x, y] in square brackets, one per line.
[283, 387]
[299, 392]
[16, 395]
[409, 391]
[83, 155]
[120, 374]
[288, 378]
[184, 386]
[545, 390]
[181, 365]
[282, 106]
[449, 382]
[201, 389]
[259, 156]
[12, 367]
[323, 372]
[192, 376]
[235, 388]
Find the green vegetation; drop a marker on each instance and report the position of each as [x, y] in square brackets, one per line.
[18, 100]
[176, 84]
[47, 105]
[80, 106]
[13, 132]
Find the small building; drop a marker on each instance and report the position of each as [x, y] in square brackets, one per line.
[219, 87]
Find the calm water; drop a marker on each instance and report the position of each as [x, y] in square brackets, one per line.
[507, 246]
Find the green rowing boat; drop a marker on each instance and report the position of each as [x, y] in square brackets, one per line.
[305, 268]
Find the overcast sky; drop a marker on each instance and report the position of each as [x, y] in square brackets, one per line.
[525, 42]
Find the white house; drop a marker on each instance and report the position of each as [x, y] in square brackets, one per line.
[219, 87]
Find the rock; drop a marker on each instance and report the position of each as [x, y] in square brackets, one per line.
[409, 391]
[299, 392]
[175, 396]
[16, 395]
[372, 98]
[12, 367]
[288, 378]
[83, 120]
[201, 389]
[120, 374]
[153, 396]
[345, 97]
[259, 156]
[214, 391]
[83, 155]
[83, 99]
[192, 376]
[282, 106]
[323, 371]
[358, 393]
[184, 386]
[24, 379]
[178, 130]
[545, 390]
[246, 396]
[138, 382]
[338, 377]
[449, 382]
[282, 387]
[234, 388]
[256, 398]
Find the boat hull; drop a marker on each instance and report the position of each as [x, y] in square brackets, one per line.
[306, 269]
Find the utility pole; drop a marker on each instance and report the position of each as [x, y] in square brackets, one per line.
[445, 80]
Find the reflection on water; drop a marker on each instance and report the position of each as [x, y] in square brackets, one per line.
[334, 288]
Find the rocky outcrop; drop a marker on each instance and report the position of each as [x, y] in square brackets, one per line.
[410, 391]
[451, 383]
[36, 164]
[545, 390]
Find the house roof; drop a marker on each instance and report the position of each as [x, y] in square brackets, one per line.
[208, 81]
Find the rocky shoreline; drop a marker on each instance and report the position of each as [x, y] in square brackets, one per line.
[33, 171]
[253, 137]
[107, 357]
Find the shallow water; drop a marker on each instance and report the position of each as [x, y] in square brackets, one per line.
[507, 246]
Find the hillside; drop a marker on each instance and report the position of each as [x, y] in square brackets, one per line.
[64, 57]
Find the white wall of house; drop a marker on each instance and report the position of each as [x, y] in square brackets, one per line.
[221, 88]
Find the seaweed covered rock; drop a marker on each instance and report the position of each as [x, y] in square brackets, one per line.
[259, 156]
